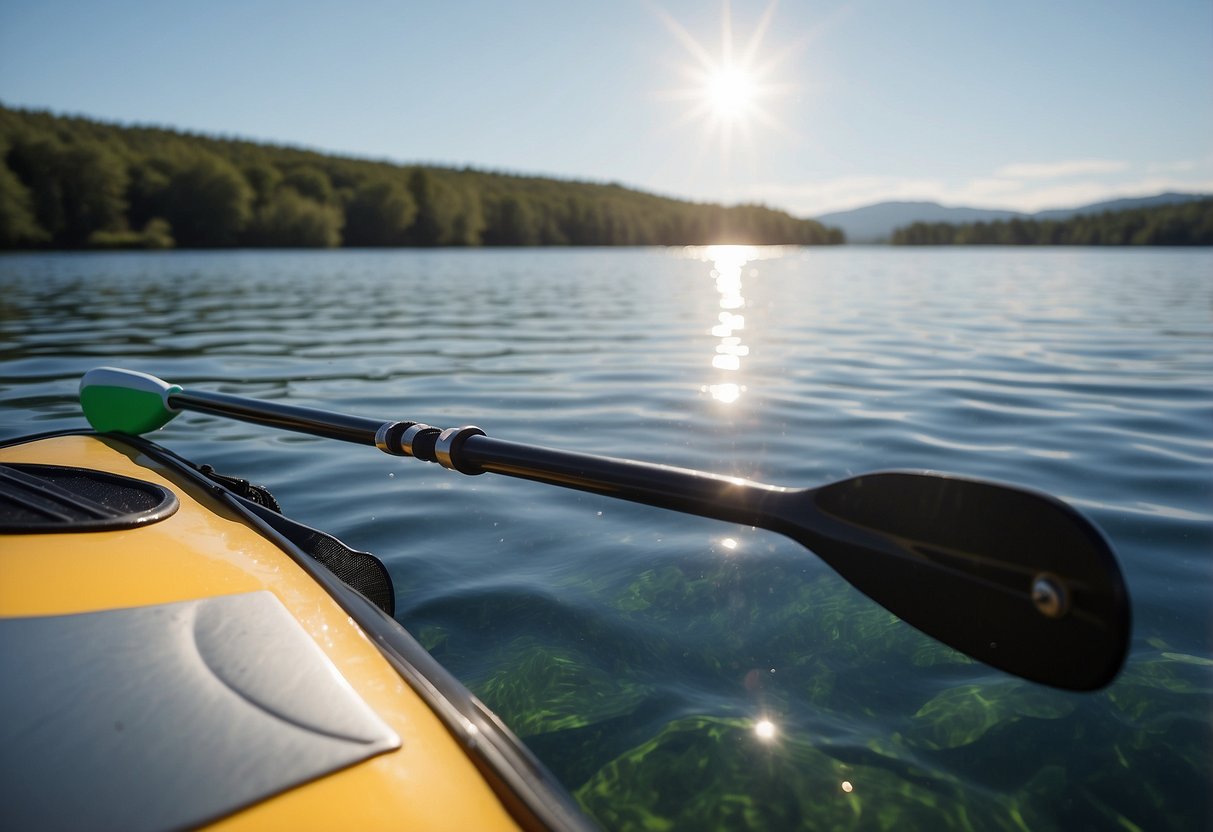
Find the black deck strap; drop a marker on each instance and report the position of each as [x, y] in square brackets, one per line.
[359, 570]
[258, 494]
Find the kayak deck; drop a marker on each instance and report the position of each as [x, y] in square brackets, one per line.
[203, 550]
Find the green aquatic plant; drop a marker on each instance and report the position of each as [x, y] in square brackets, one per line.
[432, 638]
[732, 773]
[1150, 684]
[962, 715]
[601, 687]
[542, 688]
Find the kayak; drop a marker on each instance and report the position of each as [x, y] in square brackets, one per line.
[177, 653]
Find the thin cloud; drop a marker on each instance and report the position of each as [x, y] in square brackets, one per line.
[843, 193]
[1061, 170]
[1172, 167]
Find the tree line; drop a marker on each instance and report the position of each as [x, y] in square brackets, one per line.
[1184, 224]
[79, 183]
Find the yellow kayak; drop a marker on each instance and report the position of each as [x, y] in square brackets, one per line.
[174, 655]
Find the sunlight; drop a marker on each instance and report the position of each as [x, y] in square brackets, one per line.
[729, 93]
[765, 730]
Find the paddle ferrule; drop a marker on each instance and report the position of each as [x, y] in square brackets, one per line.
[388, 436]
[418, 441]
[449, 449]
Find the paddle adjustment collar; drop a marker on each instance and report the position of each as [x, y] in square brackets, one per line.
[429, 444]
[388, 436]
[449, 446]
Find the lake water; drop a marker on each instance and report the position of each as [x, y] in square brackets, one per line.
[678, 672]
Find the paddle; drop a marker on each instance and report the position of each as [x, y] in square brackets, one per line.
[1014, 578]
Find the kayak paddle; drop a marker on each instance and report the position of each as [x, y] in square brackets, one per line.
[1014, 578]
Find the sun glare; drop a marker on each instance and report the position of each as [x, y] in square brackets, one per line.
[731, 92]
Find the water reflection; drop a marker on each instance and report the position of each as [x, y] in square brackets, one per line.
[728, 269]
[727, 265]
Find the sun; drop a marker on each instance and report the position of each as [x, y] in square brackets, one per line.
[731, 92]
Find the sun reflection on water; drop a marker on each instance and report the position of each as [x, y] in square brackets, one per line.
[728, 269]
[728, 263]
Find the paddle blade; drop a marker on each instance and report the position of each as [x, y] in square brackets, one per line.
[1013, 578]
[124, 401]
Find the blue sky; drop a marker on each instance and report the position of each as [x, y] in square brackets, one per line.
[1025, 105]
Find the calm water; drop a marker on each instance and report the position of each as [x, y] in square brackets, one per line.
[639, 651]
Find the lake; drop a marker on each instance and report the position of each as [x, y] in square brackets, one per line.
[677, 672]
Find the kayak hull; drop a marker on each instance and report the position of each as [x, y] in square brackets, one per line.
[455, 766]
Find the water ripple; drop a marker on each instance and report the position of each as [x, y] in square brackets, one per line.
[615, 634]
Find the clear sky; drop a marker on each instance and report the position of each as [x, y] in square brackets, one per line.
[808, 106]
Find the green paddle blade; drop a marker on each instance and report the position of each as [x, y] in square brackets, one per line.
[124, 401]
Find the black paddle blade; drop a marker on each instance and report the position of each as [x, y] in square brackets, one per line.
[1016, 579]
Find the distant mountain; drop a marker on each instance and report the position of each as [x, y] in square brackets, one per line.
[876, 223]
[1169, 198]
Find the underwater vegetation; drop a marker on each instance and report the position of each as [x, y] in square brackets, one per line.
[707, 694]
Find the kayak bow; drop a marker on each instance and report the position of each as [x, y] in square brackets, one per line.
[182, 660]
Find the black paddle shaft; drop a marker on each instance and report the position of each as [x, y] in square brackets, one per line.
[357, 429]
[1014, 578]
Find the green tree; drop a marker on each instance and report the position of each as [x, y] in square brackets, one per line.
[17, 224]
[208, 203]
[311, 182]
[93, 192]
[77, 188]
[513, 223]
[468, 224]
[291, 220]
[37, 162]
[427, 228]
[264, 179]
[379, 215]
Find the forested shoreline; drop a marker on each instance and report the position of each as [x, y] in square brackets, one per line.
[1181, 224]
[76, 183]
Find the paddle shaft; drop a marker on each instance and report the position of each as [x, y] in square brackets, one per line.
[664, 486]
[357, 429]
